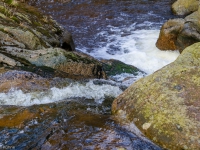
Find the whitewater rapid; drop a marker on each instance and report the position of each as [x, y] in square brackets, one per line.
[88, 90]
[134, 47]
[137, 49]
[128, 34]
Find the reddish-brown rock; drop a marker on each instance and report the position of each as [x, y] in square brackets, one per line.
[169, 33]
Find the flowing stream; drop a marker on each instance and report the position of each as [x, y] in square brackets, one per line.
[125, 30]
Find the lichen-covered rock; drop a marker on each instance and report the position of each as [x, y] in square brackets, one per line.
[24, 27]
[177, 34]
[72, 63]
[185, 7]
[168, 34]
[28, 39]
[165, 105]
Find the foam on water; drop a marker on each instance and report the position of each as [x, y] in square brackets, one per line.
[134, 47]
[88, 90]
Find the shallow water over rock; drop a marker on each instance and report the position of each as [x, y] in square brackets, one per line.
[71, 124]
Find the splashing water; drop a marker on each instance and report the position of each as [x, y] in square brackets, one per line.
[89, 91]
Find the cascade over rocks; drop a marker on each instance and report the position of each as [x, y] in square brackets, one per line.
[34, 44]
[165, 105]
[28, 38]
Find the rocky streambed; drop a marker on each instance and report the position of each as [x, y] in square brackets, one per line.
[54, 96]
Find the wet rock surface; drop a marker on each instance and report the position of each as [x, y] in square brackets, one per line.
[165, 105]
[114, 67]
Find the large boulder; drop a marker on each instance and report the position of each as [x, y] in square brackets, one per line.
[185, 7]
[165, 105]
[177, 34]
[169, 33]
[24, 27]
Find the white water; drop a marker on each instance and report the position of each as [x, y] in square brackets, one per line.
[137, 49]
[76, 90]
[134, 47]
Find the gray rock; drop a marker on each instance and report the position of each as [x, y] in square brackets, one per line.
[177, 34]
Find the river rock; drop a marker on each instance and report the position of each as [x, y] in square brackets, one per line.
[177, 34]
[190, 33]
[185, 7]
[28, 38]
[22, 80]
[39, 79]
[68, 124]
[169, 33]
[72, 63]
[165, 105]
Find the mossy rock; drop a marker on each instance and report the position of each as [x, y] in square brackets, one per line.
[165, 105]
[114, 67]
[74, 64]
[29, 26]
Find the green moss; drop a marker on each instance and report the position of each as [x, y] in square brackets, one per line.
[37, 24]
[115, 67]
[15, 19]
[43, 31]
[9, 1]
